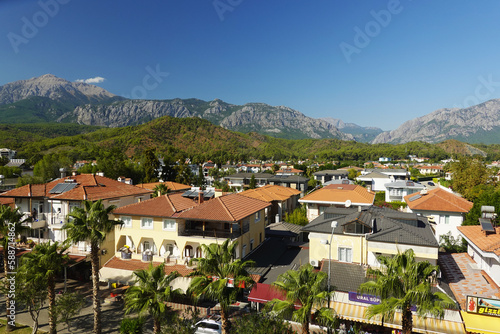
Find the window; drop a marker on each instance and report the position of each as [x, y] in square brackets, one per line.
[251, 244]
[321, 209]
[147, 223]
[169, 224]
[199, 251]
[243, 251]
[127, 221]
[345, 254]
[257, 216]
[188, 251]
[446, 219]
[146, 246]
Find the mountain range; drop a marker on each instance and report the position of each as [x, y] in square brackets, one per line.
[48, 99]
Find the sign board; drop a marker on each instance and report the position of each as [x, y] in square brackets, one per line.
[484, 306]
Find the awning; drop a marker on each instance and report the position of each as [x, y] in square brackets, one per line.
[483, 324]
[262, 293]
[430, 325]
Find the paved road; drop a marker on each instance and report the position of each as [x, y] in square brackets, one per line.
[83, 323]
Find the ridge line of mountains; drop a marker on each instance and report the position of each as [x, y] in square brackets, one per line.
[48, 99]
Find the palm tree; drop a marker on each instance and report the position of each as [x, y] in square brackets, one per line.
[402, 282]
[231, 276]
[10, 227]
[91, 223]
[43, 263]
[160, 190]
[150, 293]
[305, 288]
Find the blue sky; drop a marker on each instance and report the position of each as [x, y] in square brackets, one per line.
[373, 63]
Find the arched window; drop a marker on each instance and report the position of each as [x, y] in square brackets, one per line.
[199, 252]
[188, 251]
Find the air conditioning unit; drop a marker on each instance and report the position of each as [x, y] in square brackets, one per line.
[314, 263]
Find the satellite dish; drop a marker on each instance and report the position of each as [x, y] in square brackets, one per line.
[348, 203]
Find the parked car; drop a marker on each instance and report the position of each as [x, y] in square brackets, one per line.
[432, 184]
[208, 326]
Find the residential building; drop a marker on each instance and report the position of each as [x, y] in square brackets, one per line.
[359, 235]
[328, 175]
[345, 280]
[396, 173]
[338, 195]
[430, 170]
[240, 180]
[290, 181]
[397, 190]
[283, 200]
[445, 210]
[483, 246]
[7, 153]
[289, 171]
[173, 227]
[375, 181]
[48, 205]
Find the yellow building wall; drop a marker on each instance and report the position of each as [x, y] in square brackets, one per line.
[319, 251]
[159, 236]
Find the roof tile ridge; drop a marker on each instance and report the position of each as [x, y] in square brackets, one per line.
[225, 208]
[169, 201]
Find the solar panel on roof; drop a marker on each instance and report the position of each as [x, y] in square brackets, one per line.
[62, 187]
[413, 198]
[486, 225]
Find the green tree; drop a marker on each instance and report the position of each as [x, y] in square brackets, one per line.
[160, 190]
[219, 262]
[91, 223]
[298, 216]
[150, 293]
[260, 323]
[253, 183]
[469, 173]
[184, 175]
[402, 282]
[352, 174]
[132, 325]
[43, 263]
[10, 227]
[32, 294]
[151, 165]
[305, 287]
[49, 167]
[68, 305]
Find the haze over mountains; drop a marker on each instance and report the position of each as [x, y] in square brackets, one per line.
[51, 99]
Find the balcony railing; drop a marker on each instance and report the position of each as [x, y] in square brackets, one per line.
[209, 233]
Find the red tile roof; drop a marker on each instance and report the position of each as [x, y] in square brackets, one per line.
[271, 193]
[173, 186]
[439, 200]
[163, 206]
[486, 242]
[229, 208]
[89, 187]
[340, 193]
[117, 263]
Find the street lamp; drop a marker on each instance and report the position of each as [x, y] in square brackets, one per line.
[325, 242]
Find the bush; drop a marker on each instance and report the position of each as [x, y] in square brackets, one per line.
[132, 325]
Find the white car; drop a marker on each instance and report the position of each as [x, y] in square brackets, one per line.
[208, 326]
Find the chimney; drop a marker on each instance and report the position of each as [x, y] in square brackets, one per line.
[63, 172]
[200, 197]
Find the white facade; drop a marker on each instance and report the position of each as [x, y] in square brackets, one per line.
[444, 222]
[487, 261]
